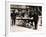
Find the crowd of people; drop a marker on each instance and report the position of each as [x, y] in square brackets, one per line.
[28, 16]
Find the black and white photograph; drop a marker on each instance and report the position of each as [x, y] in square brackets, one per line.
[25, 18]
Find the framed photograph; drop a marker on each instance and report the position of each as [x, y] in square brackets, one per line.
[23, 17]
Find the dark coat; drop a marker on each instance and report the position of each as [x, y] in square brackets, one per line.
[13, 15]
[31, 13]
